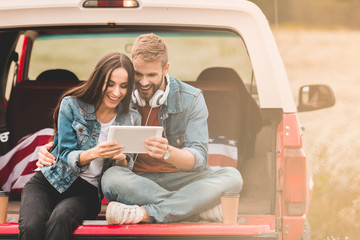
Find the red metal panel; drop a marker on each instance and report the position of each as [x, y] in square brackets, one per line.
[9, 229]
[252, 225]
[291, 132]
[293, 227]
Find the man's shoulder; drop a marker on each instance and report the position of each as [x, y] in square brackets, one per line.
[183, 87]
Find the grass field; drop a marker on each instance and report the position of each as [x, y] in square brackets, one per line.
[331, 138]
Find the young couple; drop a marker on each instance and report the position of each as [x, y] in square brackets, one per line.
[172, 182]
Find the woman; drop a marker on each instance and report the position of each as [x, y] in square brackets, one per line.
[59, 197]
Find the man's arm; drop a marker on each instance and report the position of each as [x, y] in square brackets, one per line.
[194, 155]
[196, 133]
[104, 150]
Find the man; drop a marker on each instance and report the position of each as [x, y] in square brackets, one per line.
[173, 181]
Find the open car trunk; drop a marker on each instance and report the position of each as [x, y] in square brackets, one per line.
[241, 134]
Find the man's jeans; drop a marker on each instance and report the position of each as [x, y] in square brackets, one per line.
[171, 197]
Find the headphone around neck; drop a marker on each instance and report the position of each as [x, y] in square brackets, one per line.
[157, 100]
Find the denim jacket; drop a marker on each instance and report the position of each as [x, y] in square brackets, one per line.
[78, 130]
[184, 119]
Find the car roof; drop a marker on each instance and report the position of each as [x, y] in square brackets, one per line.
[242, 17]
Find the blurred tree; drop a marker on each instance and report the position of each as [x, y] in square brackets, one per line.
[319, 13]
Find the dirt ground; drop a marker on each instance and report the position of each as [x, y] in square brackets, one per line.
[331, 138]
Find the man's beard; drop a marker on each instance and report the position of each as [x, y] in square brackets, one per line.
[149, 95]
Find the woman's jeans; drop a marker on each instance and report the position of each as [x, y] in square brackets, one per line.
[170, 197]
[47, 214]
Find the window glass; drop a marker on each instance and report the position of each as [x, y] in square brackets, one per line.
[189, 53]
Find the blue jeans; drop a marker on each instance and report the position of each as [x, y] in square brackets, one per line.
[170, 197]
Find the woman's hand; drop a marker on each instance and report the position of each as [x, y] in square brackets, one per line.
[112, 150]
[45, 157]
[103, 150]
[120, 160]
[107, 150]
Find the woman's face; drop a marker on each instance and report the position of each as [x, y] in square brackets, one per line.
[117, 88]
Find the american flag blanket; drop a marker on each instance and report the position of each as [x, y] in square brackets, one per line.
[223, 152]
[18, 165]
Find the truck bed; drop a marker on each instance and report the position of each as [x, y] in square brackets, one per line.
[255, 220]
[254, 226]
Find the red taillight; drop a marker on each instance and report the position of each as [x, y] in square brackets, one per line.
[295, 181]
[294, 166]
[111, 4]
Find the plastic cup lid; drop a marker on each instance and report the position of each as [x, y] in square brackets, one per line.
[4, 194]
[231, 194]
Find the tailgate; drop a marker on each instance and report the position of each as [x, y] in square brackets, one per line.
[248, 227]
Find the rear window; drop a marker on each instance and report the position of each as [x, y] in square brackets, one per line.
[189, 52]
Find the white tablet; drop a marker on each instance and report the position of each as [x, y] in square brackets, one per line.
[133, 137]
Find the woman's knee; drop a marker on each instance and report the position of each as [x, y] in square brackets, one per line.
[66, 217]
[65, 220]
[31, 228]
[61, 227]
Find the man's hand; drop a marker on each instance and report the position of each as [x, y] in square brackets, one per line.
[45, 157]
[156, 147]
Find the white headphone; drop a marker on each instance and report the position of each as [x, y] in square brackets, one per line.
[157, 100]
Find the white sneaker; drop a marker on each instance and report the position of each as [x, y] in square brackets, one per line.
[118, 213]
[214, 214]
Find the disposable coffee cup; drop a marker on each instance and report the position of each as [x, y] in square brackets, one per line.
[230, 205]
[4, 199]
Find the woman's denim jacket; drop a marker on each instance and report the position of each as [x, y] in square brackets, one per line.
[184, 119]
[78, 130]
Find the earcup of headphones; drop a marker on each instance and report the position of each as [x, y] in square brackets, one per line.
[155, 101]
[137, 99]
[160, 96]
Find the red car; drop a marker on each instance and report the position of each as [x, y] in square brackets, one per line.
[225, 48]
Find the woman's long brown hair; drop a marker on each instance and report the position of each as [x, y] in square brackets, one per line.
[91, 91]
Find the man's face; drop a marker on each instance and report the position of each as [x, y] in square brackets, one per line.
[149, 77]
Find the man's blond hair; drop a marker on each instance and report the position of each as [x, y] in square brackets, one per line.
[150, 48]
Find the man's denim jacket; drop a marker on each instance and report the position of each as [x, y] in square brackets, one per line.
[184, 119]
[78, 130]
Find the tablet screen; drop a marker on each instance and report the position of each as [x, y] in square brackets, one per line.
[133, 137]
